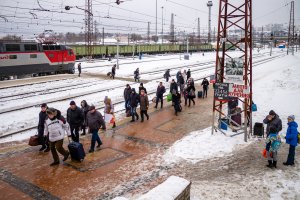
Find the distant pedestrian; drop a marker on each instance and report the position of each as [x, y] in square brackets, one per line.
[191, 94]
[137, 75]
[79, 69]
[177, 76]
[109, 109]
[41, 126]
[160, 95]
[75, 118]
[173, 86]
[144, 105]
[95, 121]
[273, 143]
[273, 120]
[85, 108]
[141, 87]
[176, 101]
[133, 102]
[205, 85]
[113, 71]
[126, 95]
[55, 128]
[188, 74]
[167, 75]
[291, 139]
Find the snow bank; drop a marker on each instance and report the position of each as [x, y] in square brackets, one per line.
[200, 145]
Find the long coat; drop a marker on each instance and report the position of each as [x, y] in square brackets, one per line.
[144, 102]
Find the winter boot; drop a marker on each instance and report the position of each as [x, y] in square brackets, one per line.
[275, 164]
[270, 165]
[132, 120]
[137, 116]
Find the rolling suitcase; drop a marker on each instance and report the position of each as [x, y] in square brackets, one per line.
[200, 94]
[76, 151]
[258, 129]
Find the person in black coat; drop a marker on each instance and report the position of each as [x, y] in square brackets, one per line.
[173, 86]
[113, 71]
[75, 118]
[191, 93]
[205, 85]
[188, 74]
[159, 94]
[167, 75]
[85, 108]
[133, 102]
[141, 87]
[273, 120]
[137, 75]
[126, 94]
[41, 126]
[79, 69]
[176, 101]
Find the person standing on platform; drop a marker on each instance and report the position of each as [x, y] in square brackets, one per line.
[126, 95]
[160, 95]
[85, 108]
[291, 139]
[144, 105]
[205, 85]
[79, 69]
[41, 126]
[113, 71]
[75, 118]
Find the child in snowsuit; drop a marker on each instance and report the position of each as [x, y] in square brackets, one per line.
[273, 143]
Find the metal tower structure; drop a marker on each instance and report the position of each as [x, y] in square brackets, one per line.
[233, 75]
[89, 29]
[148, 33]
[172, 28]
[199, 39]
[209, 5]
[291, 35]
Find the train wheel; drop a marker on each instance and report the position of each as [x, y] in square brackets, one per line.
[72, 70]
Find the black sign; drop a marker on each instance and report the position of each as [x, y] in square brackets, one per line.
[221, 91]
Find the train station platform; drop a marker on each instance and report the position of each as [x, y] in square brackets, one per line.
[129, 161]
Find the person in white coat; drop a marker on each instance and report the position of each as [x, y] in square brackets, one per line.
[55, 127]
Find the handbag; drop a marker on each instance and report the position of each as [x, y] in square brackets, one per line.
[169, 97]
[254, 107]
[34, 141]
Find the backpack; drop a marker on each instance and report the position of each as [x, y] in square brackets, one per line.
[298, 137]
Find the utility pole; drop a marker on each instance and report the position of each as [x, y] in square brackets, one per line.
[162, 25]
[156, 19]
[271, 43]
[291, 30]
[148, 33]
[103, 36]
[172, 29]
[89, 29]
[209, 5]
[199, 42]
[118, 52]
[262, 36]
[95, 42]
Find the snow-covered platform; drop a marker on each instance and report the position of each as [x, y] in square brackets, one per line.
[130, 160]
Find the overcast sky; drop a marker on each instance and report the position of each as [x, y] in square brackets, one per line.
[130, 16]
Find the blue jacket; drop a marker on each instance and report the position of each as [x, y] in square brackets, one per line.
[292, 133]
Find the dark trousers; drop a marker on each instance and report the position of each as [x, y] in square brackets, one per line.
[161, 101]
[57, 145]
[95, 137]
[126, 105]
[291, 156]
[42, 138]
[167, 79]
[133, 113]
[83, 127]
[204, 92]
[79, 72]
[142, 114]
[191, 99]
[75, 133]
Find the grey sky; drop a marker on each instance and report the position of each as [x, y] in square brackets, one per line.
[22, 22]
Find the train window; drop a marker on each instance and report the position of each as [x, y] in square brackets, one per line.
[30, 47]
[45, 47]
[51, 47]
[12, 47]
[33, 55]
[70, 52]
[57, 47]
[51, 55]
[12, 56]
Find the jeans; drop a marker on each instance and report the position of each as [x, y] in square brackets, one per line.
[126, 105]
[161, 101]
[133, 113]
[291, 156]
[57, 145]
[75, 133]
[95, 137]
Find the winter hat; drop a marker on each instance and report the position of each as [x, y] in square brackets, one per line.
[133, 90]
[51, 111]
[141, 84]
[273, 129]
[92, 107]
[44, 105]
[292, 117]
[272, 112]
[72, 103]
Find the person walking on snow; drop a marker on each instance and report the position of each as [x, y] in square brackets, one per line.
[75, 118]
[205, 85]
[133, 102]
[85, 108]
[173, 86]
[109, 109]
[137, 75]
[113, 71]
[55, 128]
[126, 95]
[144, 105]
[188, 74]
[95, 121]
[167, 75]
[291, 139]
[79, 69]
[141, 87]
[273, 120]
[273, 143]
[160, 95]
[191, 94]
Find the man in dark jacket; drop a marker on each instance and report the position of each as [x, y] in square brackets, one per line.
[144, 104]
[79, 69]
[75, 118]
[134, 100]
[173, 86]
[126, 94]
[113, 71]
[167, 75]
[95, 121]
[85, 109]
[141, 87]
[205, 85]
[41, 126]
[160, 94]
[188, 74]
[273, 120]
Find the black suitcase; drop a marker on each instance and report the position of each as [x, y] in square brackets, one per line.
[76, 151]
[258, 129]
[200, 94]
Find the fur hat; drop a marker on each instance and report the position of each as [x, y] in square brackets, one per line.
[72, 103]
[292, 117]
[51, 111]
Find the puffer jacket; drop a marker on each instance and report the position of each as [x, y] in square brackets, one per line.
[292, 133]
[275, 122]
[56, 129]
